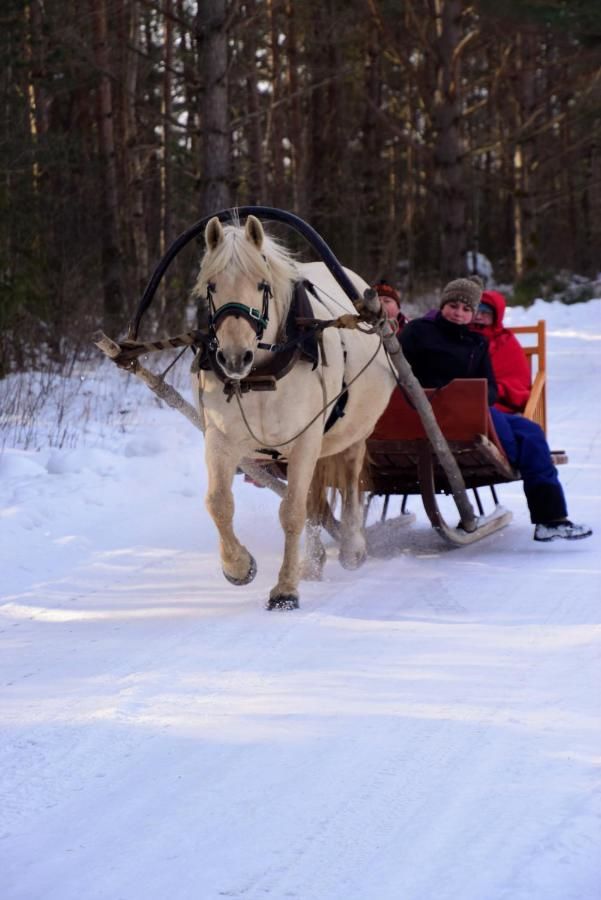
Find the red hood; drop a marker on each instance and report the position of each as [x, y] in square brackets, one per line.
[497, 301]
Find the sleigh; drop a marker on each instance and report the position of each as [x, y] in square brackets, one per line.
[401, 462]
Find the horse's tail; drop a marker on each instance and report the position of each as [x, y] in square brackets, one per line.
[322, 496]
[333, 475]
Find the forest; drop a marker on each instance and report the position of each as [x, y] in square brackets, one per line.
[410, 133]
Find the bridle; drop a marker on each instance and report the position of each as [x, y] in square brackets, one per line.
[257, 318]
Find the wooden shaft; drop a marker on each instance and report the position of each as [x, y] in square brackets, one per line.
[174, 399]
[437, 439]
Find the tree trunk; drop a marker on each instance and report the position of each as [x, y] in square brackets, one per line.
[111, 257]
[166, 199]
[447, 147]
[256, 163]
[275, 113]
[372, 248]
[165, 176]
[215, 163]
[133, 150]
[38, 66]
[524, 161]
[297, 132]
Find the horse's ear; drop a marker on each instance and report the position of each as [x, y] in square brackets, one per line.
[213, 233]
[254, 231]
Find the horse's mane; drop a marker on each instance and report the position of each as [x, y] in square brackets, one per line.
[273, 263]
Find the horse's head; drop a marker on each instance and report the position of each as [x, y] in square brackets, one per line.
[240, 272]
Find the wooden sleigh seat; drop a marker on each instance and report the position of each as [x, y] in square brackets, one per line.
[398, 449]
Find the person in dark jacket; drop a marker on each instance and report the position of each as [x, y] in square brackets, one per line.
[509, 362]
[441, 348]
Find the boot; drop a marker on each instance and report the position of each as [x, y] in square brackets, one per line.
[562, 528]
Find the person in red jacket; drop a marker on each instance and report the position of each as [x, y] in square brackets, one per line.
[509, 362]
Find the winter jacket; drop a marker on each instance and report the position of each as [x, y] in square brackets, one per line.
[509, 362]
[439, 351]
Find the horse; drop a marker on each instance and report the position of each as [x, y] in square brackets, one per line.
[245, 287]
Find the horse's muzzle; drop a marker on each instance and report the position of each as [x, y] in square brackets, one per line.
[235, 365]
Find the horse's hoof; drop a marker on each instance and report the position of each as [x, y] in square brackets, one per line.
[282, 601]
[252, 571]
[352, 560]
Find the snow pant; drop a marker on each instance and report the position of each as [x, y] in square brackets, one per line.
[526, 447]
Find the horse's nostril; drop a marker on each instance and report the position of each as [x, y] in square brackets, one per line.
[248, 357]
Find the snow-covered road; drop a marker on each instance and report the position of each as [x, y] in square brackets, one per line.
[427, 728]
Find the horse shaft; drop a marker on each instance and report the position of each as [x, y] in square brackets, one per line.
[174, 399]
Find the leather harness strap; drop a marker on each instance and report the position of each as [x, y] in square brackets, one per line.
[299, 342]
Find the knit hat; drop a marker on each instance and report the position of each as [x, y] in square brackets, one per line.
[386, 290]
[466, 290]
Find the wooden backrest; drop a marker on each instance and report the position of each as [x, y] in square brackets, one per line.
[534, 345]
[533, 341]
[461, 410]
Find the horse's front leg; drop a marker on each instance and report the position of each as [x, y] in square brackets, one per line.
[239, 567]
[293, 514]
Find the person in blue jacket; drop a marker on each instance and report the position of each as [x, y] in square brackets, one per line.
[440, 348]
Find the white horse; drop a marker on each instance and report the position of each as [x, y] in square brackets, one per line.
[253, 276]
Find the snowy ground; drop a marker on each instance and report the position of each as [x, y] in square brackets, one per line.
[425, 729]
